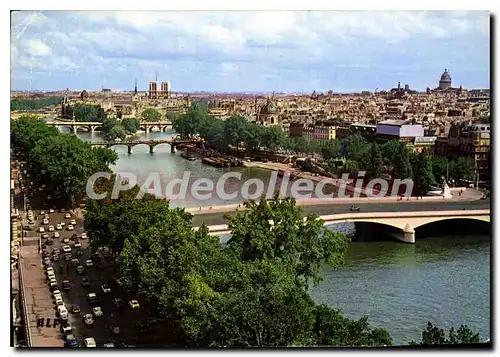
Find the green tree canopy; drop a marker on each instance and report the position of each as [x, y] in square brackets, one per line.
[131, 125]
[150, 115]
[85, 112]
[375, 165]
[434, 335]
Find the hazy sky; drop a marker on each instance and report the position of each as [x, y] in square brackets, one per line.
[248, 51]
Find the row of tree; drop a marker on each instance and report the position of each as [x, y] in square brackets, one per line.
[252, 291]
[33, 104]
[84, 112]
[119, 129]
[58, 162]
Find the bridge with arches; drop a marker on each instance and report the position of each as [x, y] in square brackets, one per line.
[91, 127]
[405, 222]
[151, 143]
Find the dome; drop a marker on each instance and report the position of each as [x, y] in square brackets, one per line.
[268, 108]
[445, 77]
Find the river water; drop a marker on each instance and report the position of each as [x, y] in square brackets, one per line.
[445, 279]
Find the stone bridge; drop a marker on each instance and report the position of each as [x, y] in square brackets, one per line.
[406, 222]
[97, 126]
[151, 143]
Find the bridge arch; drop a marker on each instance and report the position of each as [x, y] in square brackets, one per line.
[435, 220]
[161, 145]
[133, 146]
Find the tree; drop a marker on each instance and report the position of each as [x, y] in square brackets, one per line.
[131, 125]
[434, 335]
[117, 132]
[390, 150]
[375, 165]
[85, 112]
[331, 149]
[402, 168]
[235, 130]
[150, 115]
[34, 104]
[357, 147]
[422, 174]
[350, 166]
[462, 168]
[440, 167]
[64, 163]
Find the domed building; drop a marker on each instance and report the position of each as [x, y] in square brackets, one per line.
[445, 81]
[268, 114]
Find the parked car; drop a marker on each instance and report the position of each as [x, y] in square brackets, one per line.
[63, 312]
[73, 222]
[84, 235]
[90, 342]
[88, 319]
[41, 229]
[70, 227]
[75, 262]
[75, 308]
[67, 215]
[51, 210]
[77, 244]
[51, 228]
[80, 269]
[56, 235]
[92, 298]
[97, 310]
[71, 341]
[66, 249]
[58, 226]
[66, 240]
[88, 263]
[134, 304]
[45, 221]
[355, 209]
[105, 288]
[68, 256]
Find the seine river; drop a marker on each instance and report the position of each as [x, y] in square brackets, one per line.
[445, 280]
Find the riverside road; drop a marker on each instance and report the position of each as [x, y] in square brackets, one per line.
[217, 218]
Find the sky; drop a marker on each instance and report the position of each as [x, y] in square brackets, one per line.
[248, 51]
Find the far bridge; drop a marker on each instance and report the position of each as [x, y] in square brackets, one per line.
[93, 126]
[151, 143]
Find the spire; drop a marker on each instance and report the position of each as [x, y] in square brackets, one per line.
[135, 90]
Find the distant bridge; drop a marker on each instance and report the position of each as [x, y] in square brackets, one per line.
[406, 222]
[151, 143]
[97, 126]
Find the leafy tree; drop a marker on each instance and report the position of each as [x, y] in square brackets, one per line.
[150, 115]
[85, 112]
[375, 165]
[434, 335]
[271, 137]
[402, 168]
[390, 150]
[440, 165]
[117, 132]
[462, 168]
[331, 149]
[357, 147]
[131, 125]
[33, 104]
[422, 174]
[108, 124]
[26, 131]
[350, 166]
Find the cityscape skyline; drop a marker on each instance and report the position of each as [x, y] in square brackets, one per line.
[248, 51]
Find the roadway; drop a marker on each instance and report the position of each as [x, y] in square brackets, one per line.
[212, 219]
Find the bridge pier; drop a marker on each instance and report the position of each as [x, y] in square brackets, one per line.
[409, 234]
[151, 149]
[92, 129]
[73, 128]
[172, 149]
[147, 129]
[129, 149]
